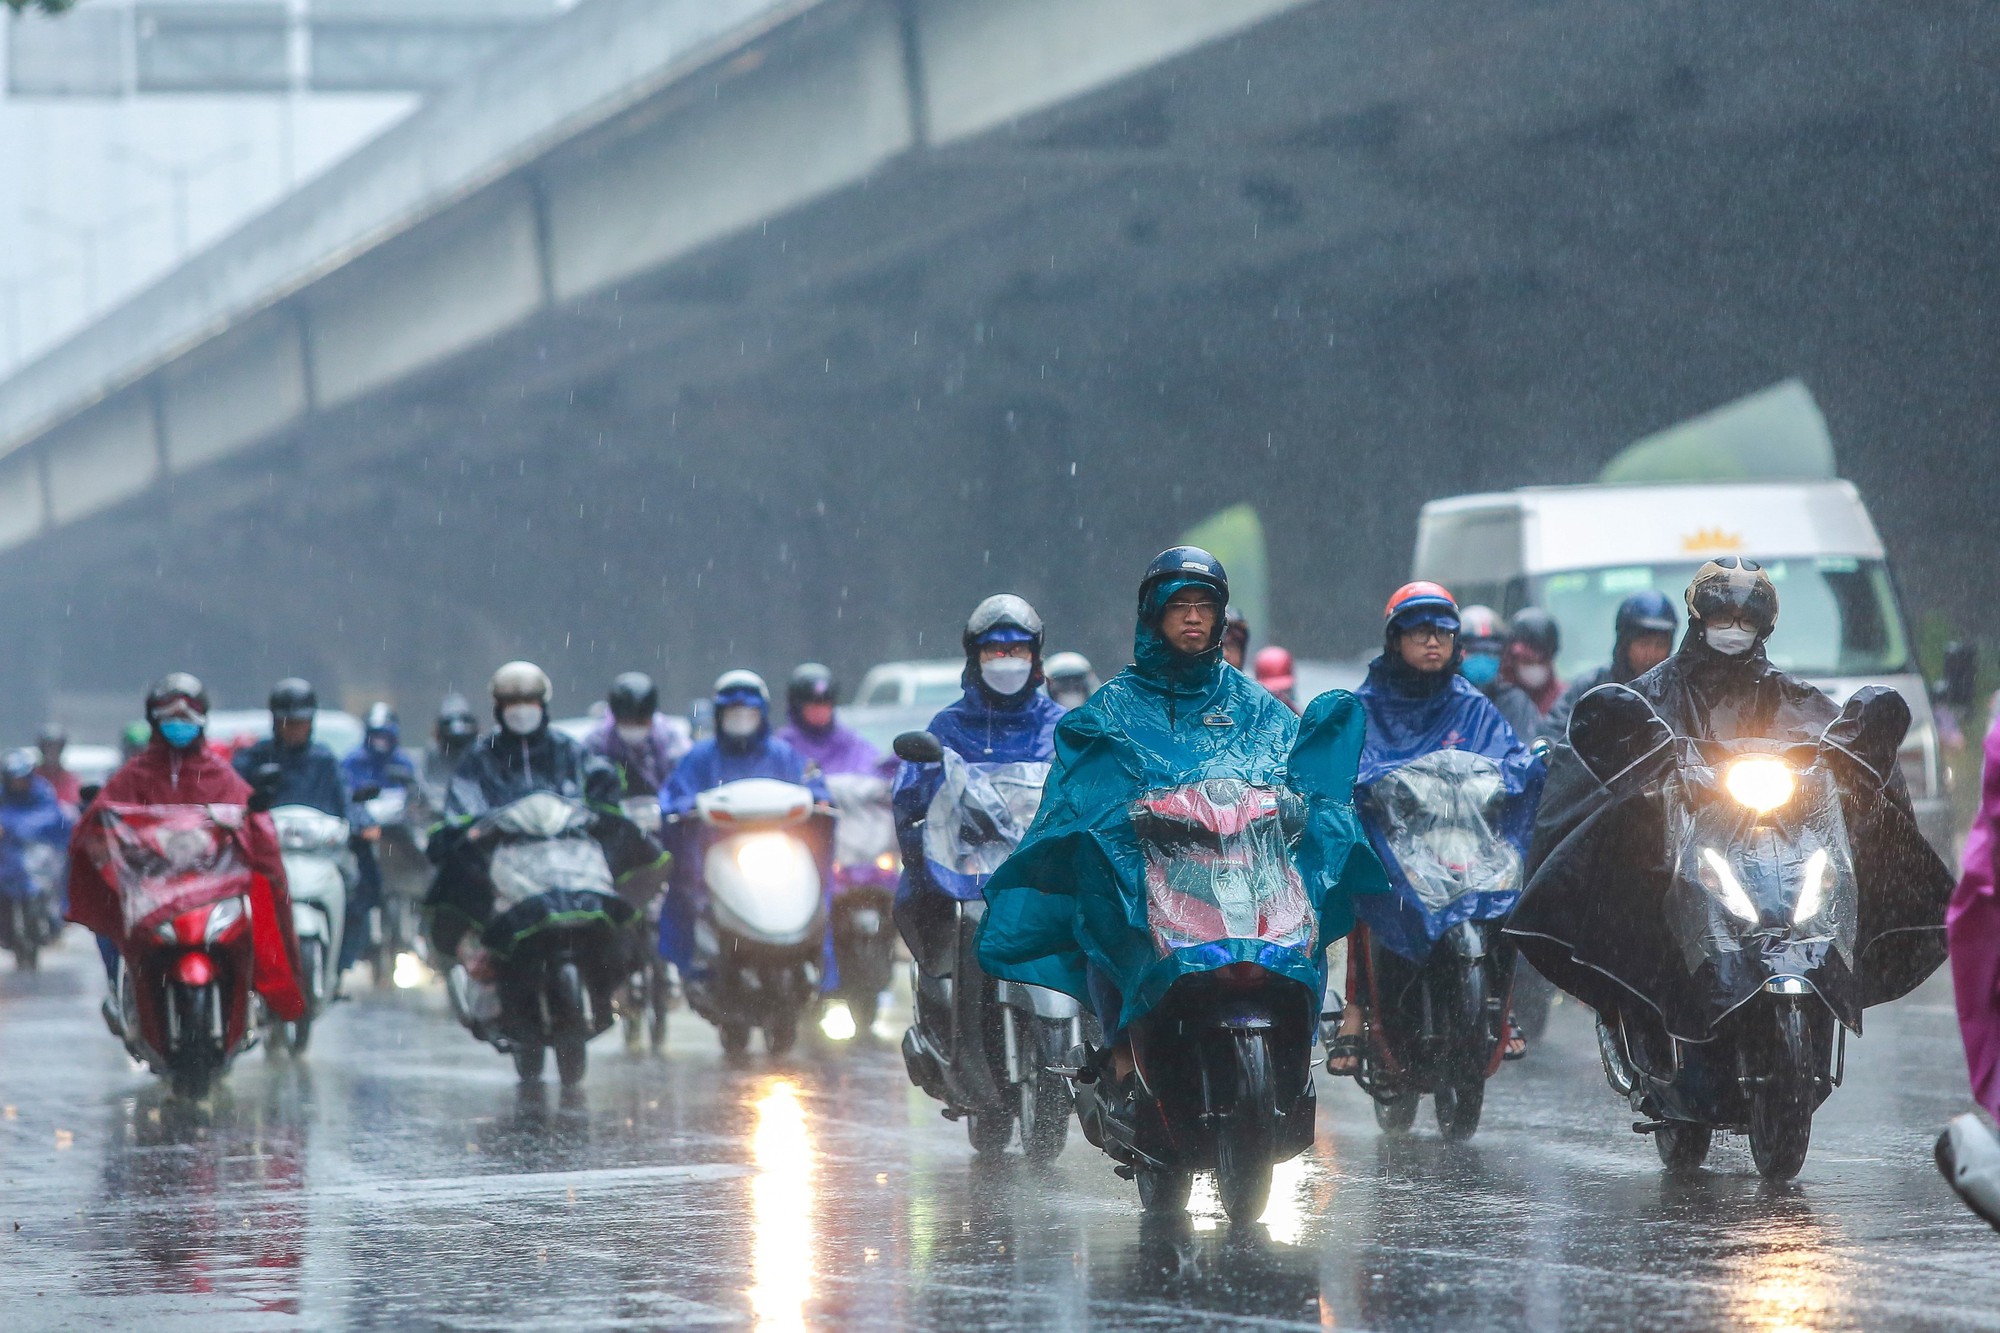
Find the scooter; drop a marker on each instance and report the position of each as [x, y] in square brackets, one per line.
[1435, 1009]
[184, 986]
[1223, 1064]
[396, 927]
[991, 1051]
[320, 871]
[642, 1002]
[760, 931]
[864, 890]
[1748, 1030]
[557, 943]
[30, 921]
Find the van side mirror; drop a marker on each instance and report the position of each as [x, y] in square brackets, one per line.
[1960, 680]
[919, 747]
[1614, 728]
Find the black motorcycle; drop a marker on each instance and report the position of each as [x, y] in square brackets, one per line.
[30, 921]
[1223, 1064]
[1728, 961]
[989, 1050]
[558, 936]
[1435, 1015]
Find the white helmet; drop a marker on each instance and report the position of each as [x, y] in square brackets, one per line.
[521, 682]
[740, 681]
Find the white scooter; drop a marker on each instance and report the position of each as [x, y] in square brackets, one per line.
[321, 872]
[759, 934]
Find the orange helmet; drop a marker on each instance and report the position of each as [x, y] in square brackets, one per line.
[1420, 603]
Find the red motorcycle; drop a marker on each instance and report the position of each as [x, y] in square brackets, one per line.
[186, 887]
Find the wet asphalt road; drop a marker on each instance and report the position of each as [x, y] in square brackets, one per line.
[398, 1179]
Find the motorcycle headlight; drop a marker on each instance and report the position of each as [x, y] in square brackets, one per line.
[1812, 889]
[765, 856]
[886, 862]
[224, 915]
[1760, 782]
[1722, 882]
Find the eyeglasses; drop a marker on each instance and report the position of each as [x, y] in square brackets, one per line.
[1431, 634]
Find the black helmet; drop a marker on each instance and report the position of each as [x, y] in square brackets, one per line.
[176, 686]
[1182, 562]
[633, 697]
[811, 683]
[292, 700]
[1535, 628]
[1647, 612]
[456, 722]
[1735, 587]
[1236, 628]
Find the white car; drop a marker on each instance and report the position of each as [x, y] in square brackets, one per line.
[929, 685]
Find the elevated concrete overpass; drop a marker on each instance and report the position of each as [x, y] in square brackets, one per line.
[735, 330]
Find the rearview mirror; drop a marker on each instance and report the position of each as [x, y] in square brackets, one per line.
[1870, 729]
[1613, 728]
[919, 747]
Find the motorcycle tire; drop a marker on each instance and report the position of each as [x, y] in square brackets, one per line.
[27, 958]
[299, 1034]
[864, 1006]
[1395, 1114]
[1164, 1191]
[1682, 1145]
[1781, 1108]
[1244, 1148]
[572, 1059]
[192, 1073]
[989, 1133]
[528, 1061]
[1458, 1106]
[735, 1039]
[781, 1034]
[1045, 1105]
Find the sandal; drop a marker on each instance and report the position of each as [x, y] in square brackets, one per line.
[1346, 1049]
[1516, 1045]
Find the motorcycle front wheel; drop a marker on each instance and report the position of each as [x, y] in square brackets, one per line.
[572, 1060]
[1045, 1116]
[528, 1061]
[1164, 1191]
[1396, 1113]
[1249, 1134]
[989, 1133]
[1682, 1145]
[1781, 1107]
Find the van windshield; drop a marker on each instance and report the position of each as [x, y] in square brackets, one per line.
[1837, 615]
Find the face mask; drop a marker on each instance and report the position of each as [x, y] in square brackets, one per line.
[1533, 674]
[1070, 698]
[180, 733]
[382, 744]
[1481, 668]
[521, 719]
[1006, 676]
[1731, 642]
[634, 735]
[741, 722]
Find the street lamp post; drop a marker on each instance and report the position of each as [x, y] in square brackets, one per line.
[179, 176]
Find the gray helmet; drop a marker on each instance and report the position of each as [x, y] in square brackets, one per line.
[993, 618]
[521, 682]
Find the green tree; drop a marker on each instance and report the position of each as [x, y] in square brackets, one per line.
[44, 6]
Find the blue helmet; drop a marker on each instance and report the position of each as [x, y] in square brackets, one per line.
[1180, 566]
[1647, 612]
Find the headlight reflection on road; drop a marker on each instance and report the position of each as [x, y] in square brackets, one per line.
[781, 1264]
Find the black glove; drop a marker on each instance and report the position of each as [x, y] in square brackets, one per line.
[264, 784]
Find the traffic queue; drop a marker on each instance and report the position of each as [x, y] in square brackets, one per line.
[1151, 907]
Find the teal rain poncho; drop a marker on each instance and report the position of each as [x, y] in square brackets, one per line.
[1076, 888]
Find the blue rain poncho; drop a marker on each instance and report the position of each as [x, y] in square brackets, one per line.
[1447, 793]
[1074, 895]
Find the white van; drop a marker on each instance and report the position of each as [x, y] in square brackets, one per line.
[1577, 551]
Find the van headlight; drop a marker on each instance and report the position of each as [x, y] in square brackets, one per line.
[1760, 782]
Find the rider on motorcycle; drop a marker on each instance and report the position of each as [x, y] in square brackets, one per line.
[308, 774]
[1000, 719]
[1482, 641]
[30, 812]
[1644, 638]
[54, 738]
[812, 728]
[178, 768]
[742, 747]
[1529, 661]
[1235, 637]
[452, 738]
[1418, 702]
[380, 762]
[637, 739]
[1071, 679]
[521, 756]
[1179, 715]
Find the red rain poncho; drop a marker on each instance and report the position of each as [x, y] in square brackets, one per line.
[162, 776]
[1973, 924]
